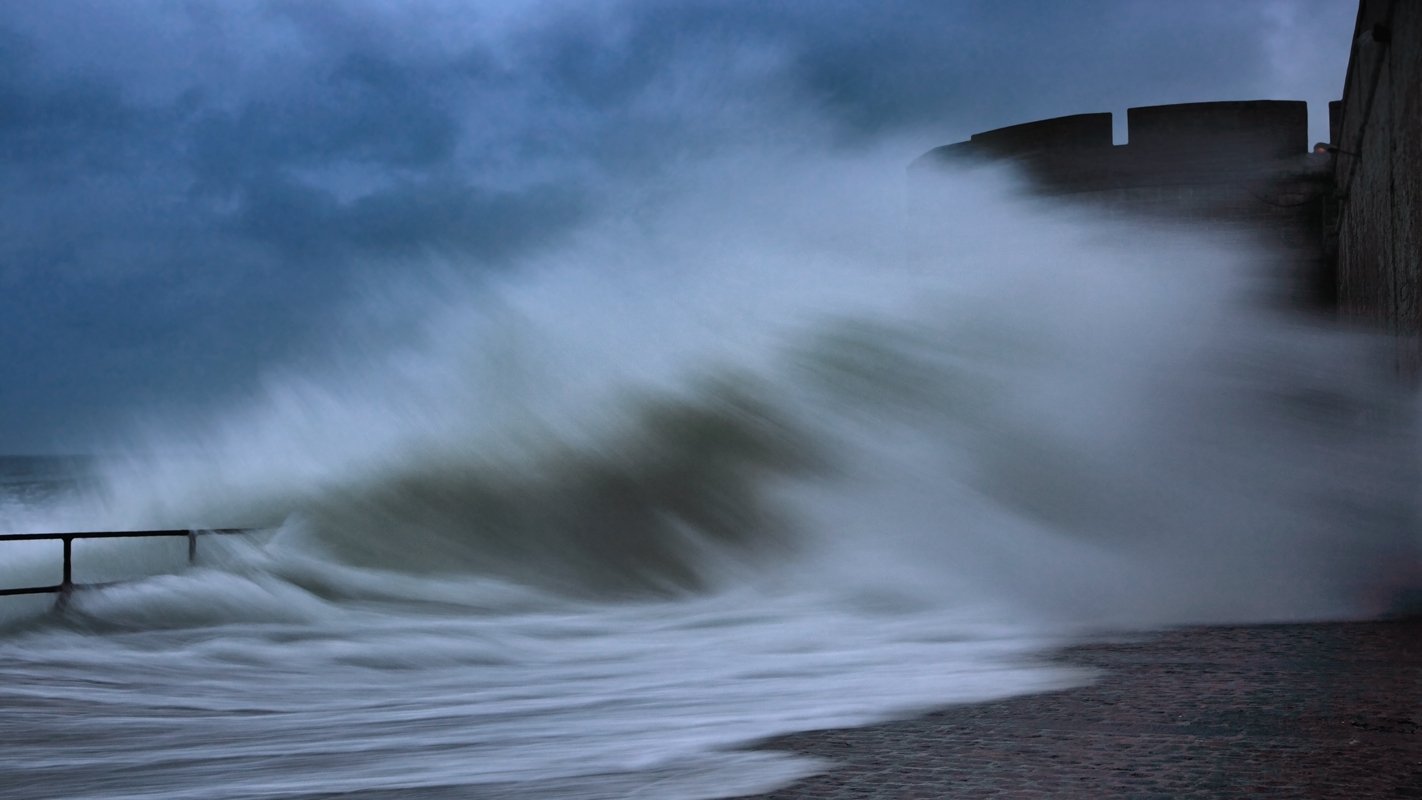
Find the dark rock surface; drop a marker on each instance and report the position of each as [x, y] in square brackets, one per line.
[1379, 176]
[1299, 711]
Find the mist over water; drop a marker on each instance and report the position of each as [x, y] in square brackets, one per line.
[780, 446]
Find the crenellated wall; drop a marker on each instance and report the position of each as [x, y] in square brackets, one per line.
[1190, 144]
[1378, 134]
[1243, 167]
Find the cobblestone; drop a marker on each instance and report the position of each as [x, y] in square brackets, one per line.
[1296, 711]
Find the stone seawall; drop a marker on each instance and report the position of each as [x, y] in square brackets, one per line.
[1378, 135]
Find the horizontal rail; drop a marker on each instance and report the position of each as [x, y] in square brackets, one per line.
[36, 537]
[58, 587]
[67, 585]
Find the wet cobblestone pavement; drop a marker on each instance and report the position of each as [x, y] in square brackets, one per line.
[1296, 711]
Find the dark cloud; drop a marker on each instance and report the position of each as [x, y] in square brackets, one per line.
[364, 109]
[185, 187]
[83, 121]
[433, 215]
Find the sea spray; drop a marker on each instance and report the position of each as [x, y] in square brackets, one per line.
[679, 378]
[759, 456]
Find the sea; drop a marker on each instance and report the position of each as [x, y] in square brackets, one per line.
[760, 455]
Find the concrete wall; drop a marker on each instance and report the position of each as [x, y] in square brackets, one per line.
[1379, 175]
[1241, 167]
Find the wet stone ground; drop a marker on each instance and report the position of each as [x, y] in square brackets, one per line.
[1296, 711]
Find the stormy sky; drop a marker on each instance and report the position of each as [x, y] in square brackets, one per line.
[189, 187]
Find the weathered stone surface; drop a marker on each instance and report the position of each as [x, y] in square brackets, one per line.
[1379, 176]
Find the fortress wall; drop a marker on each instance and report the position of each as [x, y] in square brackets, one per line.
[1058, 135]
[1185, 143]
[1344, 230]
[1248, 131]
[1379, 175]
[1240, 167]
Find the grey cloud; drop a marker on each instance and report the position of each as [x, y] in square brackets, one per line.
[44, 119]
[363, 109]
[433, 215]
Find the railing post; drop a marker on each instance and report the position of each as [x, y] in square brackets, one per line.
[66, 584]
[192, 547]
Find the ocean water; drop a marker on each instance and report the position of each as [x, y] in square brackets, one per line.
[765, 454]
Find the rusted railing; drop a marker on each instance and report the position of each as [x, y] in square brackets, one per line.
[67, 584]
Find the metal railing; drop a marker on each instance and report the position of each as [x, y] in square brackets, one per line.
[67, 584]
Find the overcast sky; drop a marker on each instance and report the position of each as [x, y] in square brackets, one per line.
[189, 186]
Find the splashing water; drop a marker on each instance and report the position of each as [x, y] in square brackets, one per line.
[754, 458]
